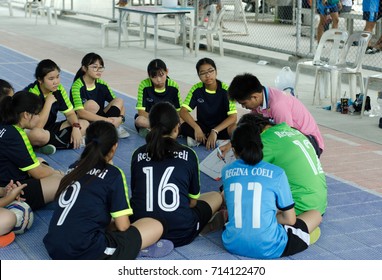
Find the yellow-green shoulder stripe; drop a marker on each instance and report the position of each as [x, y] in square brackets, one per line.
[76, 94]
[29, 148]
[129, 210]
[66, 98]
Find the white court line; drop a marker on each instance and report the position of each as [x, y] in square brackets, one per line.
[340, 139]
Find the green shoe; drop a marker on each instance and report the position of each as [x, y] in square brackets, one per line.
[46, 150]
[216, 223]
[315, 235]
[143, 132]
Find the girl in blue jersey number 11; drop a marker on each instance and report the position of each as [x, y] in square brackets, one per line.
[262, 221]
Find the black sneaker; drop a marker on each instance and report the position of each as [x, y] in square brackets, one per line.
[380, 122]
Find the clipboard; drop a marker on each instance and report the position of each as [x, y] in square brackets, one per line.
[212, 165]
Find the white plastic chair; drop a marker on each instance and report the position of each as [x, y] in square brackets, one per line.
[49, 10]
[9, 3]
[333, 40]
[31, 6]
[213, 28]
[105, 27]
[348, 64]
[369, 79]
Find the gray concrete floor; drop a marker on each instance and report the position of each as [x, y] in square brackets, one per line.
[67, 42]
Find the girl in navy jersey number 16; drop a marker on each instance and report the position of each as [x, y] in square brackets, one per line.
[165, 181]
[91, 220]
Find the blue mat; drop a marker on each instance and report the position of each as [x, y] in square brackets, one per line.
[350, 229]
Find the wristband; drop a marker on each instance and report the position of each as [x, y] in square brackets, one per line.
[214, 130]
[76, 124]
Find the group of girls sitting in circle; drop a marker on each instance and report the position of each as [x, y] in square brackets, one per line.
[95, 217]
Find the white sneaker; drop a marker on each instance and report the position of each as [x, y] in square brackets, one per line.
[122, 133]
[221, 142]
[82, 144]
[191, 142]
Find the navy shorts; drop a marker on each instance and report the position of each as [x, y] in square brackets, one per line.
[33, 193]
[204, 213]
[122, 245]
[298, 238]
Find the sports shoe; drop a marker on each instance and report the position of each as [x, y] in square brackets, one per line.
[122, 133]
[216, 222]
[159, 249]
[83, 144]
[47, 149]
[7, 239]
[315, 235]
[191, 142]
[371, 50]
[221, 142]
[380, 122]
[143, 132]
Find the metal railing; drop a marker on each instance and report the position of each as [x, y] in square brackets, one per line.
[284, 26]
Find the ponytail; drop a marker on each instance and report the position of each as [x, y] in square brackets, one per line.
[87, 60]
[163, 119]
[247, 143]
[101, 136]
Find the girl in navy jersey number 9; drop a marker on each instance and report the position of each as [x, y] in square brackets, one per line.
[91, 220]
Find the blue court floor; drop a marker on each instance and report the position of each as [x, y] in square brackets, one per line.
[351, 227]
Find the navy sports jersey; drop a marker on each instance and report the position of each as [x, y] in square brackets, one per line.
[253, 194]
[16, 154]
[100, 93]
[83, 213]
[212, 107]
[162, 189]
[62, 104]
[148, 95]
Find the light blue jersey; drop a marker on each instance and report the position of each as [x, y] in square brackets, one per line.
[253, 194]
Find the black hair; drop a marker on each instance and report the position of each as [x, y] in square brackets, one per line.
[242, 86]
[87, 60]
[100, 137]
[44, 67]
[163, 118]
[11, 107]
[203, 61]
[247, 143]
[255, 120]
[5, 88]
[155, 67]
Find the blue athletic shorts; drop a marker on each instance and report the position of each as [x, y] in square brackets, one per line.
[372, 10]
[326, 9]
